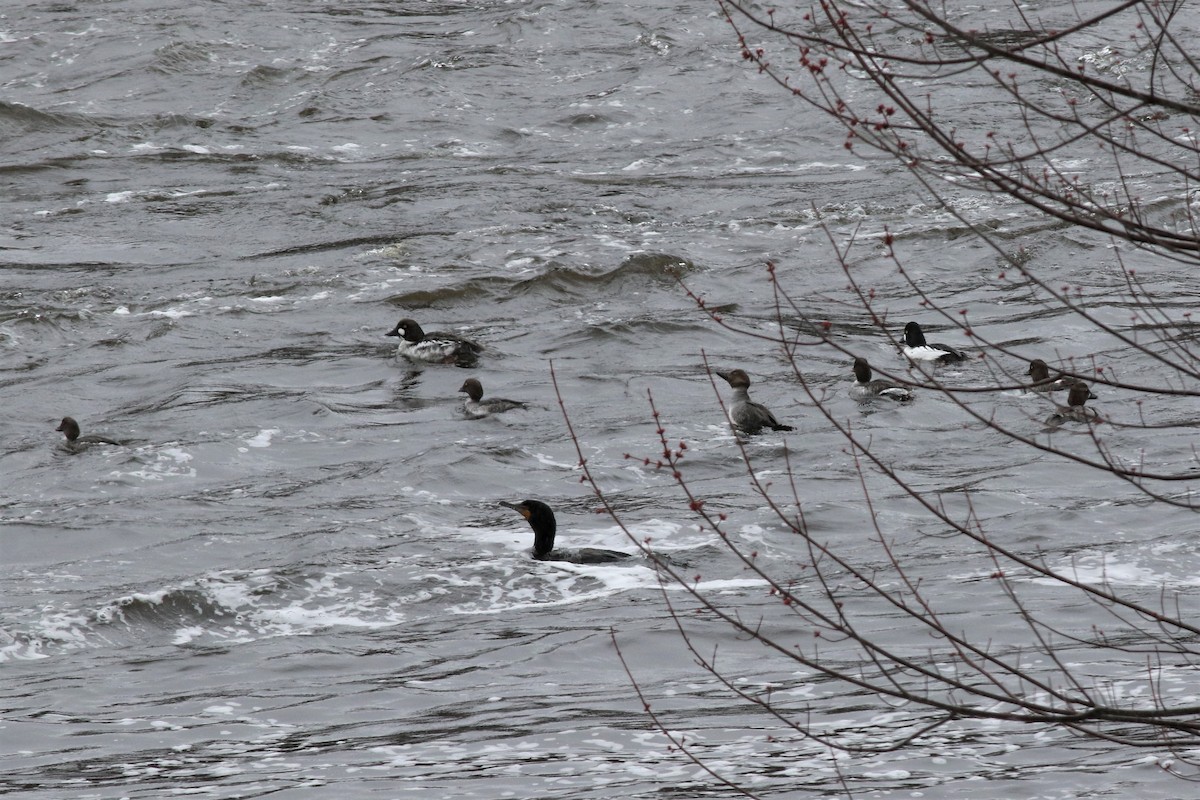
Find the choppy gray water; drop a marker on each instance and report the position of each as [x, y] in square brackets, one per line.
[295, 580]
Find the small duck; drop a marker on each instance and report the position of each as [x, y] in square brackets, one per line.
[70, 428]
[476, 407]
[1075, 410]
[867, 389]
[1039, 371]
[433, 348]
[541, 518]
[917, 349]
[748, 416]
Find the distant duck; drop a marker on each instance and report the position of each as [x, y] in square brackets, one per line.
[1043, 382]
[541, 519]
[917, 349]
[748, 416]
[433, 348]
[70, 428]
[477, 407]
[867, 389]
[1075, 410]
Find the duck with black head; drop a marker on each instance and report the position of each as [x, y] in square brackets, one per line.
[437, 347]
[915, 348]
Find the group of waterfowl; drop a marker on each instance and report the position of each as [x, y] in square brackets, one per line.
[439, 347]
[915, 348]
[747, 416]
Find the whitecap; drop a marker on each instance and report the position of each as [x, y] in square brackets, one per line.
[261, 439]
[170, 313]
[187, 634]
[157, 464]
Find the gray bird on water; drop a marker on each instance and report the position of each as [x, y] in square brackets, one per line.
[746, 415]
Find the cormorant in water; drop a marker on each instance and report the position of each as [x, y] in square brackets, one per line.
[541, 519]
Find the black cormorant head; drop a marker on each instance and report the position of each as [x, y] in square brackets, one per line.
[541, 519]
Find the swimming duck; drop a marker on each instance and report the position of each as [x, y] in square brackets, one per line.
[917, 349]
[70, 428]
[1075, 410]
[477, 407]
[866, 389]
[1042, 382]
[434, 348]
[748, 416]
[541, 519]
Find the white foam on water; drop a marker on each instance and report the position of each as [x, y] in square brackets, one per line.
[154, 464]
[260, 439]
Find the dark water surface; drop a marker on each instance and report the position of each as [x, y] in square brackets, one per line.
[295, 580]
